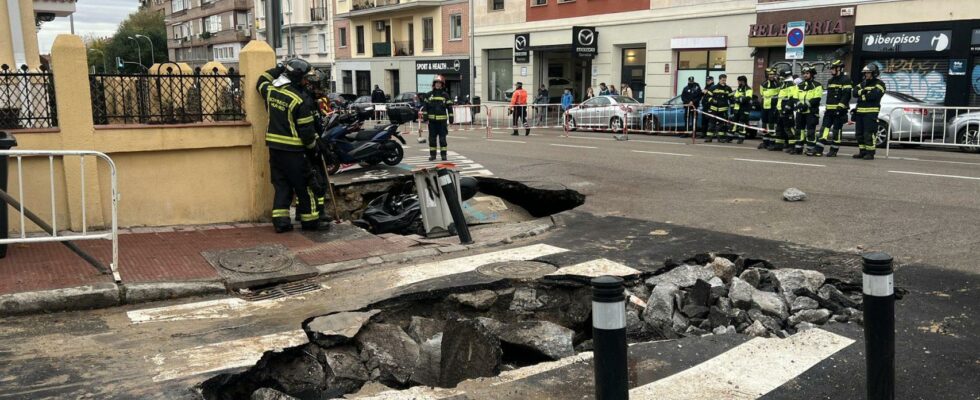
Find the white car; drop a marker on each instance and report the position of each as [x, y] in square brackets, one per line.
[605, 113]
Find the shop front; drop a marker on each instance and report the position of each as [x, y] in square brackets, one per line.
[456, 73]
[699, 58]
[828, 37]
[923, 60]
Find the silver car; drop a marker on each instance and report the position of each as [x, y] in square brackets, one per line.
[605, 113]
[904, 114]
[965, 129]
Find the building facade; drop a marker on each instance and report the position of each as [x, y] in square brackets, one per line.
[199, 31]
[307, 32]
[402, 45]
[651, 45]
[19, 23]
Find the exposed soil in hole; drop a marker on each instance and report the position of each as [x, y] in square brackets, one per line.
[442, 338]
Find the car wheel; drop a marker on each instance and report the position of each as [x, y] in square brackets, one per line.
[570, 123]
[651, 124]
[616, 124]
[970, 137]
[882, 134]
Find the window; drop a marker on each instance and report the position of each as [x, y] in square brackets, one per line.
[348, 81]
[428, 34]
[360, 39]
[213, 24]
[496, 5]
[500, 73]
[178, 5]
[565, 1]
[539, 3]
[698, 64]
[322, 43]
[304, 45]
[456, 27]
[343, 37]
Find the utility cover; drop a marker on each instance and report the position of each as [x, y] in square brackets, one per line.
[257, 266]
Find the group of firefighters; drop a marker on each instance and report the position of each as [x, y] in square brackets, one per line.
[791, 110]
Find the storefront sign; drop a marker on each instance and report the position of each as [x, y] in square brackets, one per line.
[708, 42]
[441, 66]
[907, 41]
[522, 45]
[826, 27]
[794, 40]
[586, 41]
[957, 67]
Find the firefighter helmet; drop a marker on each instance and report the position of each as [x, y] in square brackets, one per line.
[297, 69]
[872, 68]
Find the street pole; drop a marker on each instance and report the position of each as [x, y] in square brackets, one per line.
[472, 53]
[879, 325]
[153, 58]
[139, 51]
[609, 338]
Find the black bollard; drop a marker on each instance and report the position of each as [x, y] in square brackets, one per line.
[879, 325]
[609, 338]
[455, 209]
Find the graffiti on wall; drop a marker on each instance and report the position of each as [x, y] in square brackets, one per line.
[923, 79]
[975, 78]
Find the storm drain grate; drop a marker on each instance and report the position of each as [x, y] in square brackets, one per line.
[280, 291]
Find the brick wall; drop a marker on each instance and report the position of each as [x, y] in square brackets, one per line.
[341, 52]
[462, 45]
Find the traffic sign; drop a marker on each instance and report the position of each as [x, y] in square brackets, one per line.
[795, 37]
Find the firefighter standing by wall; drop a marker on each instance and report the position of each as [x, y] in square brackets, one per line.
[785, 126]
[868, 93]
[291, 138]
[438, 111]
[838, 102]
[720, 98]
[518, 108]
[770, 113]
[808, 95]
[742, 107]
[709, 83]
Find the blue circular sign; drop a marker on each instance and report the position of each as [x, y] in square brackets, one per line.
[794, 37]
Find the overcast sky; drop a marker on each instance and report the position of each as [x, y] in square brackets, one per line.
[95, 17]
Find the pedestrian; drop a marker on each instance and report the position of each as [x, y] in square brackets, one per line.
[709, 83]
[541, 107]
[292, 140]
[785, 126]
[589, 93]
[720, 99]
[518, 108]
[627, 91]
[839, 89]
[770, 113]
[603, 89]
[868, 93]
[542, 92]
[808, 94]
[566, 103]
[378, 95]
[438, 111]
[691, 97]
[741, 107]
[612, 90]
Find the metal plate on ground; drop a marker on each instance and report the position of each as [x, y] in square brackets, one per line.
[257, 266]
[517, 269]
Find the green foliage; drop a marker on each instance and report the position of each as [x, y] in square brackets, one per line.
[143, 22]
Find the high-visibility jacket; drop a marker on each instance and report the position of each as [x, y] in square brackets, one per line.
[291, 114]
[519, 98]
[743, 98]
[869, 94]
[770, 93]
[839, 92]
[438, 106]
[808, 94]
[721, 97]
[787, 96]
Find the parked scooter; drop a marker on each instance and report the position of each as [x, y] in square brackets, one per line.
[344, 142]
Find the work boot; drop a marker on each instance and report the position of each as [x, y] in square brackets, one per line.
[432, 156]
[776, 147]
[790, 149]
[527, 132]
[869, 155]
[832, 152]
[798, 150]
[763, 145]
[740, 140]
[859, 154]
[444, 156]
[514, 134]
[282, 224]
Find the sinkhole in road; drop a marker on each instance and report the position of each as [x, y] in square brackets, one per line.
[530, 315]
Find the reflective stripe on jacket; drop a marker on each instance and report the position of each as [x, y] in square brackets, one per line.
[770, 93]
[743, 97]
[839, 92]
[291, 114]
[869, 94]
[809, 93]
[438, 106]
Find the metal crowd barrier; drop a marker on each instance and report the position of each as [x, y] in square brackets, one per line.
[540, 116]
[56, 236]
[466, 118]
[934, 126]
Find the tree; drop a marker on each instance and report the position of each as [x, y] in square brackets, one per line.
[98, 54]
[143, 22]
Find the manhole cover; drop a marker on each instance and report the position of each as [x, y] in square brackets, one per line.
[517, 269]
[255, 261]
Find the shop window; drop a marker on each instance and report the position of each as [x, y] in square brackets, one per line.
[500, 73]
[635, 57]
[699, 64]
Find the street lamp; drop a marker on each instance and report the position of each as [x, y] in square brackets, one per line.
[139, 50]
[153, 57]
[104, 70]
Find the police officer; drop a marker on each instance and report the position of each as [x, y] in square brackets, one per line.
[785, 125]
[742, 106]
[291, 138]
[808, 95]
[770, 113]
[720, 98]
[438, 112]
[868, 93]
[691, 97]
[709, 83]
[838, 102]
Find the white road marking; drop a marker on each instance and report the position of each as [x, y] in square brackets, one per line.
[778, 162]
[662, 153]
[935, 161]
[572, 145]
[725, 377]
[211, 309]
[422, 272]
[596, 268]
[936, 175]
[736, 147]
[662, 142]
[220, 356]
[505, 141]
[590, 138]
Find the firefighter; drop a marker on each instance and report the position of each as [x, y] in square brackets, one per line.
[838, 102]
[518, 108]
[438, 112]
[808, 95]
[721, 98]
[868, 93]
[785, 127]
[770, 113]
[291, 138]
[703, 121]
[742, 106]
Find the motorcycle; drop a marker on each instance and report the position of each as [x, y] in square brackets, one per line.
[344, 142]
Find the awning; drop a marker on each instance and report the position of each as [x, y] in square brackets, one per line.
[812, 40]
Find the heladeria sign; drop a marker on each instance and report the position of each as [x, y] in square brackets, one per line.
[585, 40]
[522, 45]
[907, 41]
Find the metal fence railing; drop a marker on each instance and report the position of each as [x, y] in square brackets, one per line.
[928, 125]
[27, 98]
[171, 96]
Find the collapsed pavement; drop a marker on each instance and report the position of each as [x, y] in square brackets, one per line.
[442, 339]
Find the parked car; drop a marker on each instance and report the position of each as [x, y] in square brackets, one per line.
[342, 98]
[966, 131]
[605, 113]
[672, 116]
[906, 116]
[405, 97]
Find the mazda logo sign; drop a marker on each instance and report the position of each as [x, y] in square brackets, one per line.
[586, 37]
[520, 43]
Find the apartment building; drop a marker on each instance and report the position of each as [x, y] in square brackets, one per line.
[402, 45]
[306, 33]
[199, 31]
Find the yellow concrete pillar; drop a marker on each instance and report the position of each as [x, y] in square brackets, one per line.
[70, 66]
[255, 59]
[6, 39]
[30, 34]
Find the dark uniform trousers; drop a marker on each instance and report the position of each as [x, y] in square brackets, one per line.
[786, 129]
[866, 130]
[290, 176]
[520, 115]
[768, 119]
[741, 117]
[806, 125]
[438, 131]
[833, 126]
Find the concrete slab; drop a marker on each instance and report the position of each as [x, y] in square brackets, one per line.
[596, 268]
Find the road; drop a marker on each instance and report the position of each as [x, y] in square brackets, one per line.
[921, 205]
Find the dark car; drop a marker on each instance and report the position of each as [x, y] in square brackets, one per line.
[405, 97]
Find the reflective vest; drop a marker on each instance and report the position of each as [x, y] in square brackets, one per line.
[721, 97]
[869, 94]
[809, 93]
[839, 92]
[787, 96]
[743, 98]
[291, 114]
[770, 93]
[438, 106]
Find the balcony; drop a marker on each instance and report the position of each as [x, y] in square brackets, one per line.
[225, 36]
[404, 49]
[382, 49]
[374, 7]
[211, 8]
[319, 15]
